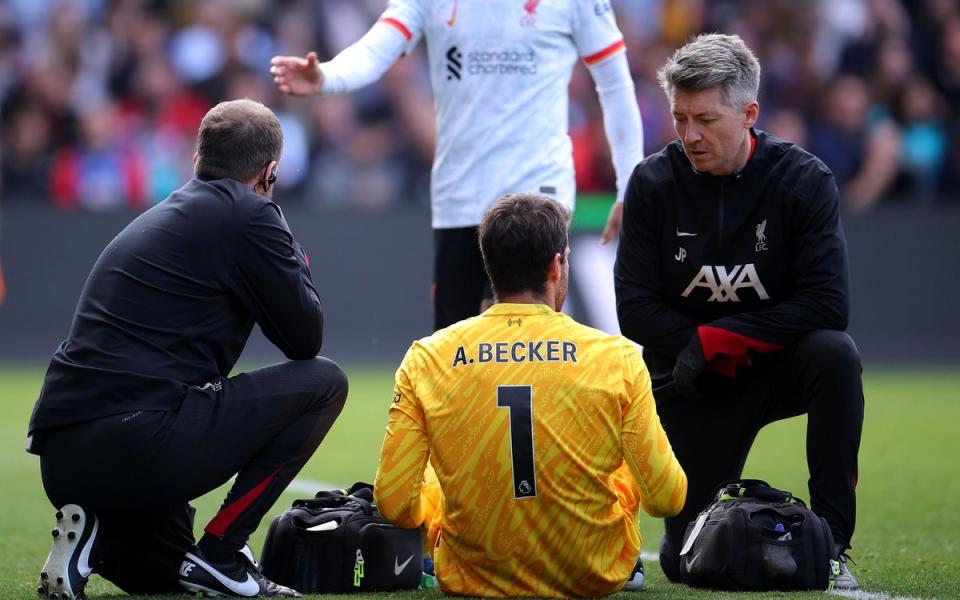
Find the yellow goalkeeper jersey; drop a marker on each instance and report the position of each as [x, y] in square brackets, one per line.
[527, 417]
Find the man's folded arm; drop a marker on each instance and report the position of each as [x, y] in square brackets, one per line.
[643, 315]
[272, 279]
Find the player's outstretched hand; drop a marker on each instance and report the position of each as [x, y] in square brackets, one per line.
[613, 223]
[297, 76]
[691, 363]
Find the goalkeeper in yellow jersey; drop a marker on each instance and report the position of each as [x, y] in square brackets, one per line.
[541, 434]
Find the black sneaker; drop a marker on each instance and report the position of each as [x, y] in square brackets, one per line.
[68, 565]
[635, 581]
[240, 579]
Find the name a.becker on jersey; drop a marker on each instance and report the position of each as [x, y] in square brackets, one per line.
[518, 352]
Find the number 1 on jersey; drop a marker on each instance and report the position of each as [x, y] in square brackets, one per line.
[518, 400]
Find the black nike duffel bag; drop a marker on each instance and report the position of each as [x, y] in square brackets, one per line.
[755, 537]
[339, 543]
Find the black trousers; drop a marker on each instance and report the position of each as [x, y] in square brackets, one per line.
[138, 471]
[459, 277]
[819, 376]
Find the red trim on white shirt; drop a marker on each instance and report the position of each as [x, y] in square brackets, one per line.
[605, 53]
[400, 26]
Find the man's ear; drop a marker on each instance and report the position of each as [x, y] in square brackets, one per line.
[555, 270]
[751, 114]
[196, 157]
[270, 175]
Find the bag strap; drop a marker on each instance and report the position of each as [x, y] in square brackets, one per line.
[753, 488]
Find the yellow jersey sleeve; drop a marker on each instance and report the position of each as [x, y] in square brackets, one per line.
[646, 449]
[404, 453]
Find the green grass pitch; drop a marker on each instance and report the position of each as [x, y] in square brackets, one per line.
[908, 531]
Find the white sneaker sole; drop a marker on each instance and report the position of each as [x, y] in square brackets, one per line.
[55, 581]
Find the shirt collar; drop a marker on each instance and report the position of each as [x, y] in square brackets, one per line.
[502, 308]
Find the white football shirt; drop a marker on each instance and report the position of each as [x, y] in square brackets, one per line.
[500, 70]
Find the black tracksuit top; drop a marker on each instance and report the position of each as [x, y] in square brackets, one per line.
[171, 302]
[750, 262]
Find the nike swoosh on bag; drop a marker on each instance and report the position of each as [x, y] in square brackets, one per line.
[685, 233]
[325, 526]
[399, 567]
[693, 561]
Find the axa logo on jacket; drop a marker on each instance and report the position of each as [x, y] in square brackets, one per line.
[724, 284]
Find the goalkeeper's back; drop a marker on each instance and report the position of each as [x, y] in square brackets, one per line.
[542, 432]
[528, 415]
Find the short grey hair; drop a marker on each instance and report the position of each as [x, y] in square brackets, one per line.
[713, 60]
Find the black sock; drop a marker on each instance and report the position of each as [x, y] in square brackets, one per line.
[218, 552]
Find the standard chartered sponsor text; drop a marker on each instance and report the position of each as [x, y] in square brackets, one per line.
[502, 62]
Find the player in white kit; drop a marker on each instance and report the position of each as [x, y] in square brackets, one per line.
[500, 70]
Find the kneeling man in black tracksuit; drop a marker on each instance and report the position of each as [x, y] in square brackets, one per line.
[732, 273]
[137, 414]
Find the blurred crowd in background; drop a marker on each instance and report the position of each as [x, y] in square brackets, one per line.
[101, 99]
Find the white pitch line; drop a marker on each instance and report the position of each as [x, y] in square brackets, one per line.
[650, 557]
[311, 487]
[654, 558]
[862, 595]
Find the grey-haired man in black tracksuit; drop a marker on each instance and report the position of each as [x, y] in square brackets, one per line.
[732, 273]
